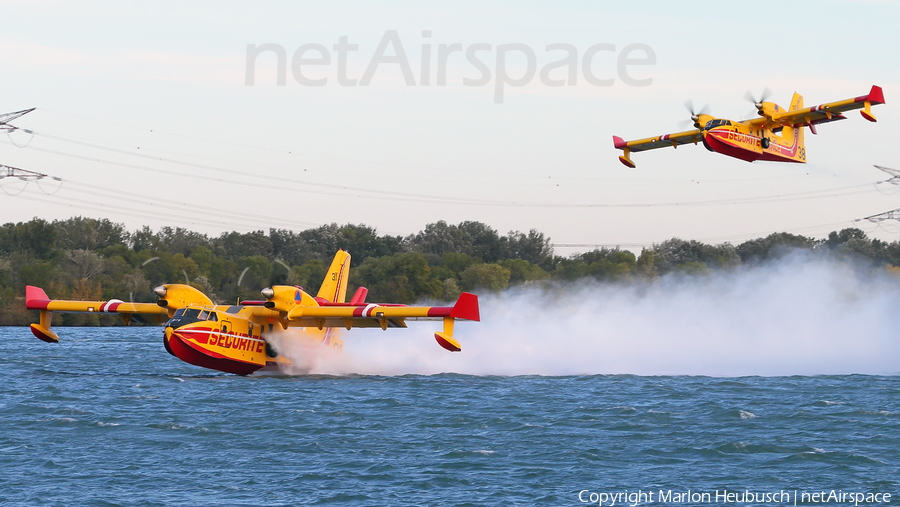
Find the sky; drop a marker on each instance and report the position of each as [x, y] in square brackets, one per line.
[149, 116]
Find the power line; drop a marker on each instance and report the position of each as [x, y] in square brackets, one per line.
[604, 182]
[161, 208]
[430, 199]
[887, 215]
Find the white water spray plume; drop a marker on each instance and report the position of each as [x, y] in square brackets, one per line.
[803, 315]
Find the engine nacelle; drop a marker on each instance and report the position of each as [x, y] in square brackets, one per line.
[173, 296]
[285, 297]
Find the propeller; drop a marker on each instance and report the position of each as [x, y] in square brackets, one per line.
[695, 114]
[762, 98]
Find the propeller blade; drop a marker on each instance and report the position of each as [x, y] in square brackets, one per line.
[751, 114]
[695, 115]
[762, 98]
[690, 107]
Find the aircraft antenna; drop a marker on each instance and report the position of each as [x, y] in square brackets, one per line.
[5, 127]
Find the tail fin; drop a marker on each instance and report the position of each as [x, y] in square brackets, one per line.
[796, 102]
[334, 287]
[788, 134]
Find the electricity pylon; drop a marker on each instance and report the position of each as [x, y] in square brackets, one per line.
[5, 127]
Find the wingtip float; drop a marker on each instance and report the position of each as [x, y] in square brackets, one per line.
[776, 135]
[237, 338]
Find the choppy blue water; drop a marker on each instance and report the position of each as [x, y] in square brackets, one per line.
[107, 417]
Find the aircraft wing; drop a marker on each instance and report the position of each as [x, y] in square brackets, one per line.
[374, 314]
[651, 143]
[385, 315]
[37, 299]
[824, 113]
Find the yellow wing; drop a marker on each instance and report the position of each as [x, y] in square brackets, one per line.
[652, 143]
[351, 315]
[823, 113]
[295, 308]
[37, 299]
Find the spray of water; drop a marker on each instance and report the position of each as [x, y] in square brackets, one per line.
[799, 316]
[302, 353]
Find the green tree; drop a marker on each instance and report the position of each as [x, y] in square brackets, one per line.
[402, 277]
[440, 237]
[456, 262]
[532, 247]
[37, 238]
[670, 254]
[522, 271]
[85, 263]
[843, 236]
[235, 245]
[646, 264]
[363, 242]
[450, 290]
[309, 276]
[487, 245]
[493, 277]
[81, 233]
[772, 246]
[181, 241]
[260, 273]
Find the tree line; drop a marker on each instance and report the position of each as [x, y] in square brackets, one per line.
[97, 259]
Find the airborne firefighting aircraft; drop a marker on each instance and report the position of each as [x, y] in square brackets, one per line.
[239, 339]
[777, 135]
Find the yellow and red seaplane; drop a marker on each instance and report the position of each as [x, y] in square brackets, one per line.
[777, 135]
[239, 338]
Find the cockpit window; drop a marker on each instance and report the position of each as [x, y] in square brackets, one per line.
[717, 123]
[184, 316]
[213, 317]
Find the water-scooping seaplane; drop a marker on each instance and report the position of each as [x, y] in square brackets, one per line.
[240, 338]
[776, 135]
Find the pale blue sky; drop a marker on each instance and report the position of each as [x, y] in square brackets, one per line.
[103, 75]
